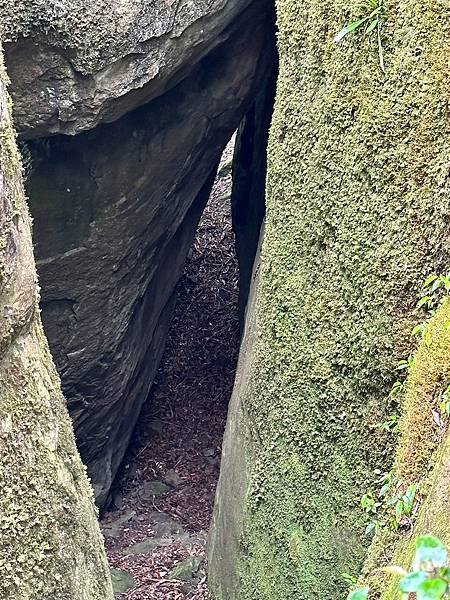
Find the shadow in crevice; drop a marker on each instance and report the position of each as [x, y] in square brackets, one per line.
[171, 468]
[249, 180]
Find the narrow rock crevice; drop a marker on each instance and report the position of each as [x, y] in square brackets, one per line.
[249, 179]
[160, 511]
[116, 206]
[115, 210]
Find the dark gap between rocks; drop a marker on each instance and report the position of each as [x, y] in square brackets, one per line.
[157, 529]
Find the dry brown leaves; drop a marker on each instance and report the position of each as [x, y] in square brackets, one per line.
[182, 425]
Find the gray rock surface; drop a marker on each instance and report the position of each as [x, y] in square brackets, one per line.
[115, 210]
[122, 581]
[186, 569]
[248, 199]
[76, 64]
[224, 542]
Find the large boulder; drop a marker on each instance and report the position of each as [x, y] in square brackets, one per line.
[115, 210]
[357, 215]
[77, 64]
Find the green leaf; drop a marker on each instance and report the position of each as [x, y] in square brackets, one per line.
[430, 552]
[361, 594]
[423, 301]
[445, 573]
[399, 510]
[446, 281]
[445, 407]
[436, 284]
[349, 28]
[408, 499]
[431, 589]
[372, 26]
[429, 280]
[384, 489]
[411, 582]
[403, 364]
[370, 527]
[355, 24]
[396, 389]
[418, 329]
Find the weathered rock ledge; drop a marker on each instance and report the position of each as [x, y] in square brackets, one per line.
[75, 65]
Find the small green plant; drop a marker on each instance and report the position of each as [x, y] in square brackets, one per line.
[390, 425]
[392, 506]
[350, 579]
[397, 388]
[419, 330]
[369, 504]
[405, 363]
[429, 578]
[432, 290]
[404, 505]
[371, 21]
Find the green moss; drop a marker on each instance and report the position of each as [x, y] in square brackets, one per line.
[13, 202]
[50, 542]
[433, 518]
[49, 535]
[428, 378]
[422, 455]
[92, 34]
[95, 35]
[358, 214]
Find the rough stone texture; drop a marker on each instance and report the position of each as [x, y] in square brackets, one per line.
[357, 216]
[51, 546]
[422, 457]
[76, 64]
[249, 180]
[115, 211]
[227, 523]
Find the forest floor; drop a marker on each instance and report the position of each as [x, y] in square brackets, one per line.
[156, 535]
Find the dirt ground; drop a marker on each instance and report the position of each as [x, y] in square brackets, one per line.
[158, 530]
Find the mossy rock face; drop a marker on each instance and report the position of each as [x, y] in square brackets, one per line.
[357, 217]
[51, 546]
[422, 456]
[122, 581]
[187, 569]
[429, 376]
